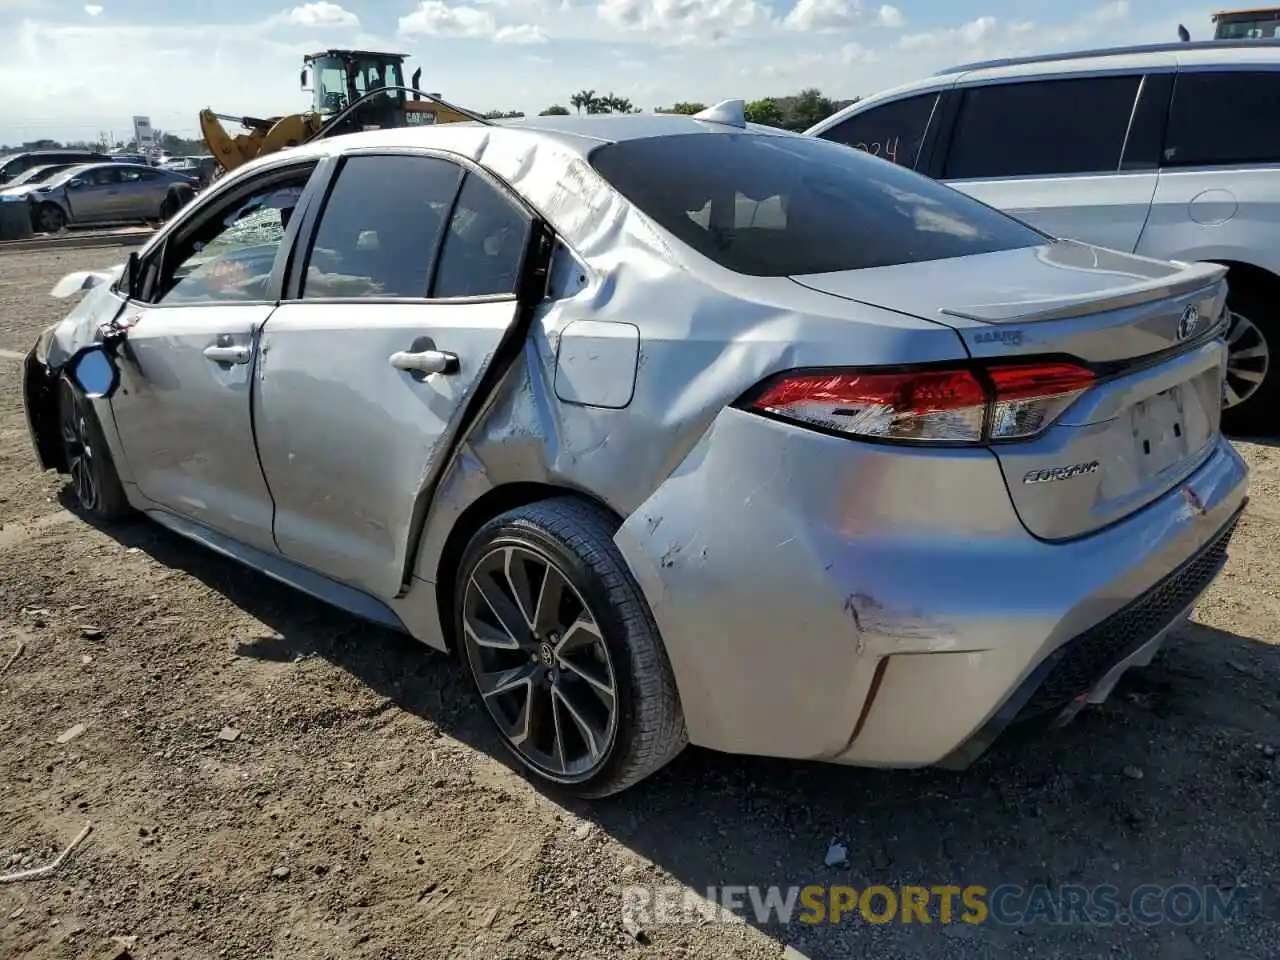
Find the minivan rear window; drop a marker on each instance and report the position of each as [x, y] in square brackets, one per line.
[773, 206]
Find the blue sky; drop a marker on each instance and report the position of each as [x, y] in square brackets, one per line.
[71, 70]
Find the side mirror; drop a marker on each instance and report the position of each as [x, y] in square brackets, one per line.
[94, 372]
[302, 78]
[75, 184]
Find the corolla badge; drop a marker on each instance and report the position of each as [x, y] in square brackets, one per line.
[1189, 322]
[1050, 474]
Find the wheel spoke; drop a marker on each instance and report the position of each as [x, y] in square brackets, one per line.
[558, 756]
[1232, 397]
[546, 613]
[1251, 353]
[495, 683]
[1239, 327]
[590, 736]
[601, 686]
[1250, 376]
[581, 633]
[518, 728]
[503, 610]
[484, 635]
[516, 570]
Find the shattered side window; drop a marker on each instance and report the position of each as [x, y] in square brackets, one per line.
[231, 258]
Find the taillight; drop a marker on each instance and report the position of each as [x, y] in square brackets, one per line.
[952, 405]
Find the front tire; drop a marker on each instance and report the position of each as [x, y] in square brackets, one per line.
[49, 218]
[94, 482]
[564, 651]
[1252, 392]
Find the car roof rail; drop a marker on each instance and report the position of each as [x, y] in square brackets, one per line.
[1174, 46]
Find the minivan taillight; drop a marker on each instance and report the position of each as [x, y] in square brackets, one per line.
[967, 404]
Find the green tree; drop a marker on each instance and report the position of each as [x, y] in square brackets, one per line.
[688, 107]
[502, 114]
[555, 110]
[765, 111]
[583, 99]
[808, 108]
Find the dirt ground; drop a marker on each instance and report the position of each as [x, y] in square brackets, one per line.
[266, 777]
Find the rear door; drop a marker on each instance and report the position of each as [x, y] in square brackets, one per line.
[137, 199]
[183, 410]
[405, 293]
[1050, 151]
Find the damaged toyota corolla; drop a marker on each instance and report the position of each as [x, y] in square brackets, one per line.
[674, 429]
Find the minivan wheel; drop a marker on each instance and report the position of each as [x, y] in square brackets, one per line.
[563, 649]
[1251, 394]
[94, 482]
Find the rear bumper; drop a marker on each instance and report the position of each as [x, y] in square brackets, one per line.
[825, 599]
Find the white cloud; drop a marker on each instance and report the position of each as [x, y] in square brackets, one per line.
[888, 16]
[1109, 13]
[320, 14]
[967, 34]
[520, 33]
[830, 15]
[92, 9]
[685, 20]
[437, 18]
[856, 53]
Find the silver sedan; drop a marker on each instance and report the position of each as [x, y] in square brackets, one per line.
[105, 192]
[674, 429]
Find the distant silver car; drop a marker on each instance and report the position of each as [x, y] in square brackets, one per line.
[110, 191]
[673, 428]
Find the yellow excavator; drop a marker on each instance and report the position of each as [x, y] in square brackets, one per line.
[337, 80]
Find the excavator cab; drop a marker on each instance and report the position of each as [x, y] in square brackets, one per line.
[338, 78]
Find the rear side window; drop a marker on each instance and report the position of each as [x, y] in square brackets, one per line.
[895, 131]
[1223, 118]
[1041, 128]
[484, 246]
[778, 206]
[381, 227]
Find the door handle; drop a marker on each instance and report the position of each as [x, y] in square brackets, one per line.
[227, 354]
[425, 362]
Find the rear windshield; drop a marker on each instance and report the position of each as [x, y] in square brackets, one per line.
[776, 206]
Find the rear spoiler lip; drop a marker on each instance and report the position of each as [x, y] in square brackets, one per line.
[1192, 277]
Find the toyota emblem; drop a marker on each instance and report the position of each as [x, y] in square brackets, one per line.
[1189, 322]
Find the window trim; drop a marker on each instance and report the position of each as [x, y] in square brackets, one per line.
[217, 203]
[291, 291]
[956, 110]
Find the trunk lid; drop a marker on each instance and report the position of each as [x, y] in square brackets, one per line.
[1152, 331]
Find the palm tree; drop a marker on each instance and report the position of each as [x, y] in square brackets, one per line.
[583, 98]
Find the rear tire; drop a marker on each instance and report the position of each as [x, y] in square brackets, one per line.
[564, 651]
[1253, 381]
[94, 482]
[49, 218]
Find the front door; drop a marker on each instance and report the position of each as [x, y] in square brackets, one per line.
[184, 408]
[97, 195]
[1050, 153]
[404, 297]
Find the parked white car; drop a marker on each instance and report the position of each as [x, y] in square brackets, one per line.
[1168, 151]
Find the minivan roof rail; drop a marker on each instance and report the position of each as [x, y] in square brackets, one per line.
[1172, 47]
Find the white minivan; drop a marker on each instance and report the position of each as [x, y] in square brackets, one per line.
[1169, 151]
